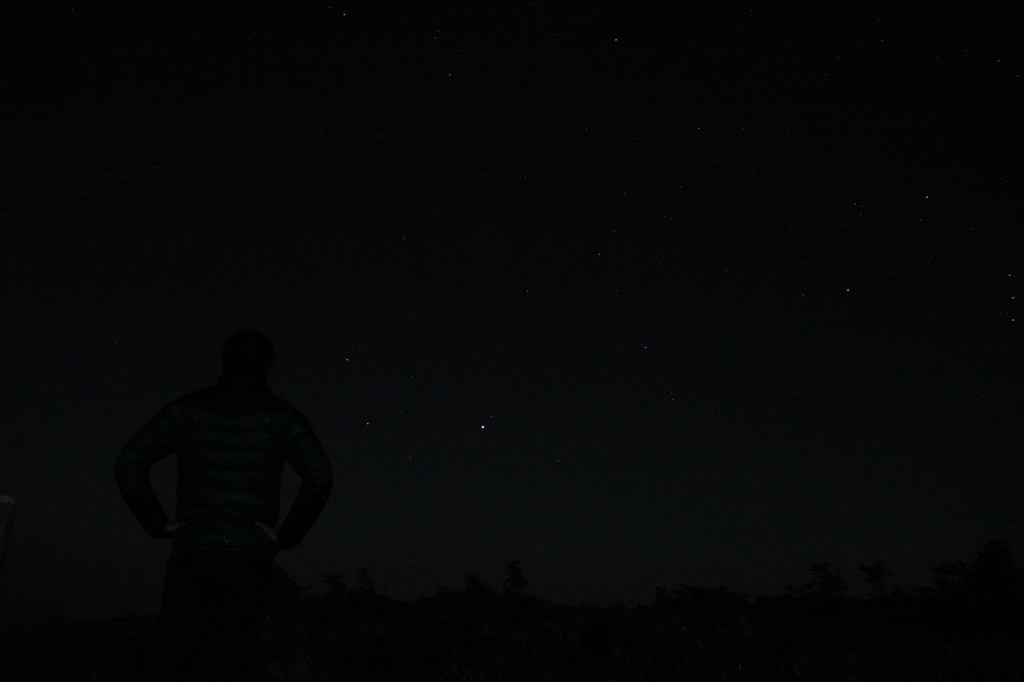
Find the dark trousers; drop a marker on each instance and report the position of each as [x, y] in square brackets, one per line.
[212, 613]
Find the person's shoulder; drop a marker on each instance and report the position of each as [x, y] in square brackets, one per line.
[219, 398]
[224, 400]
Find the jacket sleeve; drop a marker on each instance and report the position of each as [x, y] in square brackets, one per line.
[303, 452]
[154, 442]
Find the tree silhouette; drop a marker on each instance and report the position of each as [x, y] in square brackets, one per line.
[994, 574]
[335, 588]
[986, 593]
[824, 581]
[363, 582]
[516, 582]
[875, 575]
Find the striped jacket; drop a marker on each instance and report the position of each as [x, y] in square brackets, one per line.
[232, 440]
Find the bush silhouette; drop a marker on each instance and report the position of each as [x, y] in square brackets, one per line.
[474, 588]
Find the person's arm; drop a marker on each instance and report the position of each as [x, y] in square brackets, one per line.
[155, 441]
[303, 452]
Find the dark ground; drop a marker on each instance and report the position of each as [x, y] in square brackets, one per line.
[968, 625]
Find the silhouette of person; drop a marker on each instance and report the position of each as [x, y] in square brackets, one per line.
[232, 440]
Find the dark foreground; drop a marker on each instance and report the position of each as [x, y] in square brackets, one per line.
[455, 636]
[952, 632]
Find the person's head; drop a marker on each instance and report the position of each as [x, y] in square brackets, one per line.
[247, 353]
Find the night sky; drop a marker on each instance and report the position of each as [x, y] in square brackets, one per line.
[706, 295]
